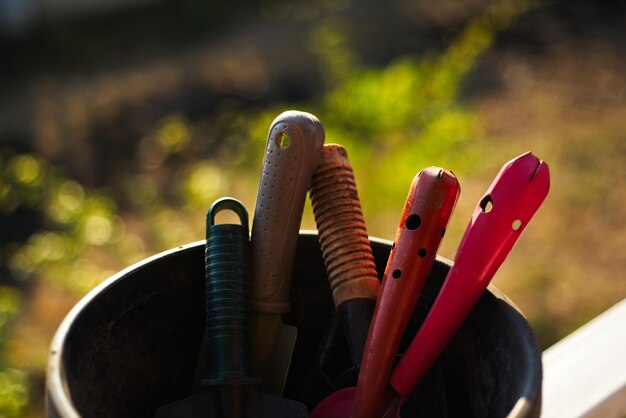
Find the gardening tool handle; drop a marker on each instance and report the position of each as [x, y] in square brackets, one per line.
[427, 210]
[498, 220]
[345, 245]
[342, 232]
[292, 152]
[227, 261]
[227, 203]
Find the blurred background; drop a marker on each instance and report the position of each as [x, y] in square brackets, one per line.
[122, 121]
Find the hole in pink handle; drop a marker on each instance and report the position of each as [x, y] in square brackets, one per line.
[486, 205]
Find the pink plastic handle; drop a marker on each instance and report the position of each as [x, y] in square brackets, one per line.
[498, 220]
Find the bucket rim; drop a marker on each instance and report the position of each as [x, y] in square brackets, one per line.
[56, 389]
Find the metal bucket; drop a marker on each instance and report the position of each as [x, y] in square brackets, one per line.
[132, 344]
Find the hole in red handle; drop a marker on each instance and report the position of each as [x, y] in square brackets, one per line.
[413, 222]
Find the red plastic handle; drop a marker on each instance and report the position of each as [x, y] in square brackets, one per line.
[429, 205]
[498, 220]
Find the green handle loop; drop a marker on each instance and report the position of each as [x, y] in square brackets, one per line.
[227, 203]
[227, 261]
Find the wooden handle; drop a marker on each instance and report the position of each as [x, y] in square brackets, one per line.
[345, 246]
[342, 232]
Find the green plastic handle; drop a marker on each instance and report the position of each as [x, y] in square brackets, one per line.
[227, 261]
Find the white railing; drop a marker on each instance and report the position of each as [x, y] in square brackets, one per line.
[585, 373]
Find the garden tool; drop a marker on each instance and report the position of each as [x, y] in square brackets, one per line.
[345, 246]
[498, 220]
[229, 385]
[427, 210]
[500, 217]
[292, 152]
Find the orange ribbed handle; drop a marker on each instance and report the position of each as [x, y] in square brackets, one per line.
[342, 232]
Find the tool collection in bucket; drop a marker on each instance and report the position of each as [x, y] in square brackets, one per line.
[249, 349]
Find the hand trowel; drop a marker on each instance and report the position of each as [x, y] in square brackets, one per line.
[229, 387]
[428, 207]
[292, 152]
[348, 259]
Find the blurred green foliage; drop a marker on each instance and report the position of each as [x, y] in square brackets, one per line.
[405, 116]
[393, 121]
[13, 392]
[13, 382]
